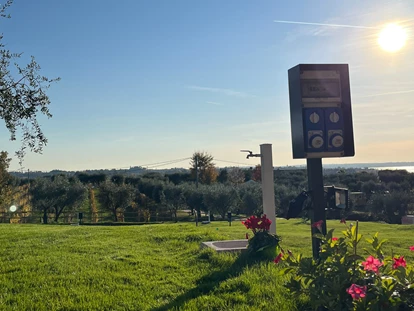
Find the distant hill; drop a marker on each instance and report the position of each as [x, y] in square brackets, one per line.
[134, 171]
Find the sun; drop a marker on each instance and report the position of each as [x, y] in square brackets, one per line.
[392, 38]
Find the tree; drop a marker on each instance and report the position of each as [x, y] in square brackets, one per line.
[220, 199]
[173, 198]
[41, 199]
[236, 176]
[71, 195]
[257, 173]
[207, 171]
[283, 195]
[115, 197]
[391, 207]
[56, 195]
[178, 178]
[251, 199]
[397, 176]
[5, 180]
[368, 188]
[118, 179]
[92, 204]
[223, 176]
[194, 198]
[22, 96]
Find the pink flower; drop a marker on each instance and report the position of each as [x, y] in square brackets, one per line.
[343, 221]
[318, 225]
[372, 264]
[357, 291]
[278, 258]
[399, 262]
[412, 248]
[334, 239]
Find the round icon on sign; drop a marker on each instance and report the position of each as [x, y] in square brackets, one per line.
[337, 141]
[316, 141]
[334, 117]
[314, 117]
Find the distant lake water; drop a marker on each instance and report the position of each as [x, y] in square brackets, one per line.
[409, 169]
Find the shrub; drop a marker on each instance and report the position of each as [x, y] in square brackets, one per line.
[262, 242]
[341, 279]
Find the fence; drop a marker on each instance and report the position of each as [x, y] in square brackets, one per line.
[142, 216]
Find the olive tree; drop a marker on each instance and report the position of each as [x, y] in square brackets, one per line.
[115, 197]
[22, 96]
[220, 199]
[56, 195]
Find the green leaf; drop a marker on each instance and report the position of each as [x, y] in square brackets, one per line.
[319, 236]
[287, 270]
[330, 234]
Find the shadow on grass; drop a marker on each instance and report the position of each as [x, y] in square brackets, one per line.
[208, 283]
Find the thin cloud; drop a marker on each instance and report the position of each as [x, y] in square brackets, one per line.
[324, 24]
[327, 28]
[214, 103]
[227, 92]
[388, 93]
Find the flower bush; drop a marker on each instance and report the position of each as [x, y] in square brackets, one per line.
[341, 279]
[262, 240]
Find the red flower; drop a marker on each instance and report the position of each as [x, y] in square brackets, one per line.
[334, 239]
[372, 264]
[343, 221]
[399, 262]
[278, 258]
[318, 225]
[412, 248]
[247, 236]
[357, 291]
[254, 223]
[265, 223]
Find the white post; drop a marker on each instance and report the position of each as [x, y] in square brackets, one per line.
[268, 190]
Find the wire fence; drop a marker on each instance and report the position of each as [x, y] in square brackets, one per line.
[142, 216]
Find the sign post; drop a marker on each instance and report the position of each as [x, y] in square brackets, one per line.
[321, 123]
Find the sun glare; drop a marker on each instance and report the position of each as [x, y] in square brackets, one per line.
[392, 38]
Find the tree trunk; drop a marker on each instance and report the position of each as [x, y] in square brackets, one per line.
[115, 215]
[45, 216]
[57, 214]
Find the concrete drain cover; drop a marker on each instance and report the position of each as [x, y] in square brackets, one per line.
[227, 246]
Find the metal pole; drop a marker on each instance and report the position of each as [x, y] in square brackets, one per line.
[196, 212]
[196, 163]
[315, 185]
[268, 188]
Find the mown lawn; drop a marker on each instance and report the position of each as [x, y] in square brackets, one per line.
[152, 267]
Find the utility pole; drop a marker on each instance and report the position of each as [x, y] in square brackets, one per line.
[196, 163]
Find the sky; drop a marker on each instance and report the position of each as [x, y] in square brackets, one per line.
[151, 81]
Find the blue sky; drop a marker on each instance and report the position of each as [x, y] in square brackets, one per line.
[151, 81]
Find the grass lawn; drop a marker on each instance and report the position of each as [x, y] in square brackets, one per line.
[152, 267]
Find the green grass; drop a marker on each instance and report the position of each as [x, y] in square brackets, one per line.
[151, 267]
